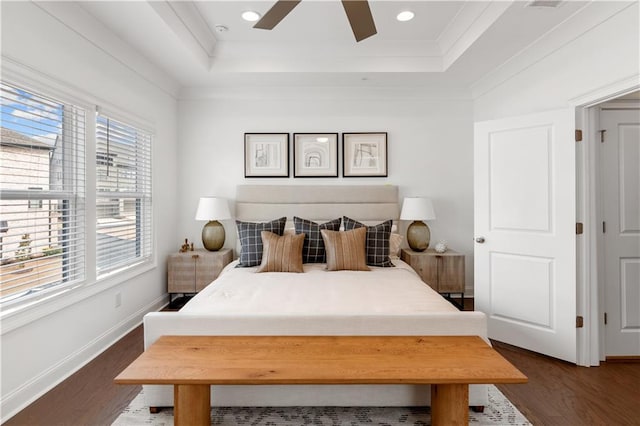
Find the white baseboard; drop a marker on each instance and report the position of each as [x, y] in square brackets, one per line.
[24, 395]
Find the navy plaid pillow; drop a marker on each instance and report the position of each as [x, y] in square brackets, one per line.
[377, 241]
[313, 248]
[251, 239]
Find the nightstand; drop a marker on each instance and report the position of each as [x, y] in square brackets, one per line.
[444, 272]
[191, 271]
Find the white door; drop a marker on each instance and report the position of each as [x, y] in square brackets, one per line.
[621, 211]
[524, 209]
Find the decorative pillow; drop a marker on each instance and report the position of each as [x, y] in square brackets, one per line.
[377, 241]
[345, 250]
[281, 254]
[395, 243]
[313, 250]
[251, 240]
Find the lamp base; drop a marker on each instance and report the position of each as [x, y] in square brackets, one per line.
[213, 235]
[418, 236]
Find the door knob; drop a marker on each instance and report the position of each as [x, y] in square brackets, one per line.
[480, 240]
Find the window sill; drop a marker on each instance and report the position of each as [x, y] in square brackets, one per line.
[32, 310]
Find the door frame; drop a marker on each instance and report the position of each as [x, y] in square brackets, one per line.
[589, 292]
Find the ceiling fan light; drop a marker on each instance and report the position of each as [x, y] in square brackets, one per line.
[250, 16]
[405, 16]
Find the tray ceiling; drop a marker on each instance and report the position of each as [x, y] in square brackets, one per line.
[448, 42]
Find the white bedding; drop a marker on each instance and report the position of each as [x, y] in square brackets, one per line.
[317, 292]
[383, 301]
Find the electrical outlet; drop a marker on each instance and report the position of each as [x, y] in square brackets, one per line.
[118, 299]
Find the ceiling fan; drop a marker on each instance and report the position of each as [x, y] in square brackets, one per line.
[358, 13]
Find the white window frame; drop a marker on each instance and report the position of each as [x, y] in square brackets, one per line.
[22, 312]
[74, 191]
[142, 127]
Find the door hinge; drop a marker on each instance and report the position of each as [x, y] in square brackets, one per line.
[604, 226]
[578, 135]
[579, 322]
[578, 228]
[602, 132]
[605, 318]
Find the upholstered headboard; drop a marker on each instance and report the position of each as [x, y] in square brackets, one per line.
[366, 203]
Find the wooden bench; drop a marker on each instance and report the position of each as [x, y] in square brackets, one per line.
[193, 363]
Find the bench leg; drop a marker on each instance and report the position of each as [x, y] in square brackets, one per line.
[192, 405]
[449, 405]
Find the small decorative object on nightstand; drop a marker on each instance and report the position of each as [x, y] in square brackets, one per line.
[441, 247]
[444, 272]
[418, 233]
[190, 271]
[212, 209]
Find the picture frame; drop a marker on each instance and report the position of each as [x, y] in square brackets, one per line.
[364, 154]
[315, 155]
[266, 155]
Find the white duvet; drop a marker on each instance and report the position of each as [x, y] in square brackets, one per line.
[317, 292]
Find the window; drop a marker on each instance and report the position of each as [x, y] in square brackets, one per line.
[123, 198]
[42, 190]
[35, 204]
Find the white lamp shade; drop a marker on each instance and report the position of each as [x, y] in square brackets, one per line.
[417, 208]
[212, 208]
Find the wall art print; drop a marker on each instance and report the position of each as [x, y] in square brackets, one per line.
[266, 155]
[364, 154]
[315, 155]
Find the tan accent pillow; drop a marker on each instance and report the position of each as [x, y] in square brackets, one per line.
[346, 250]
[281, 253]
[395, 241]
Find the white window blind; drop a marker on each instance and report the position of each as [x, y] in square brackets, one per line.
[42, 190]
[123, 209]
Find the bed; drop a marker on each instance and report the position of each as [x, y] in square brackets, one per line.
[382, 301]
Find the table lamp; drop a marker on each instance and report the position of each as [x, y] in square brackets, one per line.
[211, 209]
[418, 233]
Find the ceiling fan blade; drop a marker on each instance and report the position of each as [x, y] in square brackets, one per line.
[360, 18]
[276, 14]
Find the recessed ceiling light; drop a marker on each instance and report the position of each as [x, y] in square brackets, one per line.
[250, 16]
[406, 15]
[322, 139]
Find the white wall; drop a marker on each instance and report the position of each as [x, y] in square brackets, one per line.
[44, 344]
[593, 57]
[574, 62]
[430, 146]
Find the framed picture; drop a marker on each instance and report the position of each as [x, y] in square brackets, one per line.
[364, 154]
[315, 155]
[266, 155]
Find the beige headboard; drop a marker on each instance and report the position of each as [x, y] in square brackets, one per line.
[366, 203]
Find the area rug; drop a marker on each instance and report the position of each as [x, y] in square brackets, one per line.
[499, 412]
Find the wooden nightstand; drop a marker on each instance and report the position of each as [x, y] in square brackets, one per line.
[191, 271]
[444, 272]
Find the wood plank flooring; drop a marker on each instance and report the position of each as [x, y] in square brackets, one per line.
[89, 397]
[558, 393]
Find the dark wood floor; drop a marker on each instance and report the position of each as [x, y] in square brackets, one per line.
[88, 397]
[558, 393]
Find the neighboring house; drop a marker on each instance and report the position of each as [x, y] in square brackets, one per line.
[35, 224]
[24, 159]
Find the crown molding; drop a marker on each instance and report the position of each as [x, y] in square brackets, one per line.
[186, 23]
[582, 21]
[81, 22]
[326, 93]
[471, 22]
